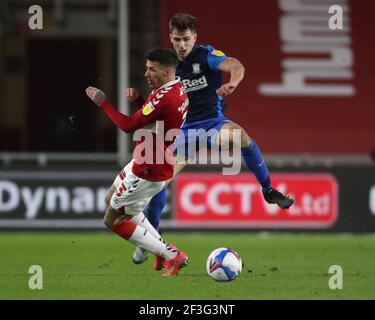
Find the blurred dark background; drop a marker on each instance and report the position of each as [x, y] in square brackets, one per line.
[43, 73]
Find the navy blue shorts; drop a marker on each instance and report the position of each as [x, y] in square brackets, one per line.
[196, 135]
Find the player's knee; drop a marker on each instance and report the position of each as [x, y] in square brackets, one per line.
[239, 137]
[110, 219]
[108, 222]
[108, 195]
[232, 136]
[224, 139]
[107, 198]
[245, 139]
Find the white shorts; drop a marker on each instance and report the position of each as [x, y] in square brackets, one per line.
[133, 193]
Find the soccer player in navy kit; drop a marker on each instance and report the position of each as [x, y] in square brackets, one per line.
[200, 69]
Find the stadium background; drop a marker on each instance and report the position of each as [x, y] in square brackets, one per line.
[306, 99]
[58, 152]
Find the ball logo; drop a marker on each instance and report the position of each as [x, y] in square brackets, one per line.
[214, 265]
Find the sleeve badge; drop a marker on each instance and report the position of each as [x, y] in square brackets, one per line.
[147, 109]
[218, 53]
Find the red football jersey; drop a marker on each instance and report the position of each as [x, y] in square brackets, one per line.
[157, 123]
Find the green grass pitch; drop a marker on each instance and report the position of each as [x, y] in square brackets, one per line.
[98, 266]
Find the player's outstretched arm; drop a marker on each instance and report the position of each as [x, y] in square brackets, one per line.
[99, 98]
[124, 122]
[237, 72]
[96, 95]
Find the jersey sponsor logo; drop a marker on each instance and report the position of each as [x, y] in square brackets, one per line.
[195, 84]
[196, 68]
[147, 109]
[218, 53]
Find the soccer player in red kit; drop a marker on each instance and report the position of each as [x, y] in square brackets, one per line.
[144, 177]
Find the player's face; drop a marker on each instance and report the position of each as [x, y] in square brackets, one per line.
[183, 42]
[156, 74]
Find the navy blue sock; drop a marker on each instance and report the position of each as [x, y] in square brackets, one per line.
[155, 207]
[256, 164]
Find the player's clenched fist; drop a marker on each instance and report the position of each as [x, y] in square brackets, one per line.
[226, 89]
[96, 95]
[131, 94]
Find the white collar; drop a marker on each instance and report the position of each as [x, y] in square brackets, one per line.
[168, 84]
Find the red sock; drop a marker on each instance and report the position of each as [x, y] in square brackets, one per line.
[125, 229]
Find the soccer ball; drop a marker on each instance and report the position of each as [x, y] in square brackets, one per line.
[224, 264]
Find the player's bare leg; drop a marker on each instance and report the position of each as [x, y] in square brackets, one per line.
[254, 160]
[226, 137]
[109, 194]
[125, 226]
[140, 255]
[112, 218]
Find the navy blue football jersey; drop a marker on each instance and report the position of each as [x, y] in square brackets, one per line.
[201, 77]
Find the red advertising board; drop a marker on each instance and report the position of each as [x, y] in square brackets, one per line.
[305, 84]
[236, 201]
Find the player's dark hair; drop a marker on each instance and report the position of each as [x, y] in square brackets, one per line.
[182, 22]
[166, 57]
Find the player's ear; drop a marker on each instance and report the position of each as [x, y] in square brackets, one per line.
[169, 71]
